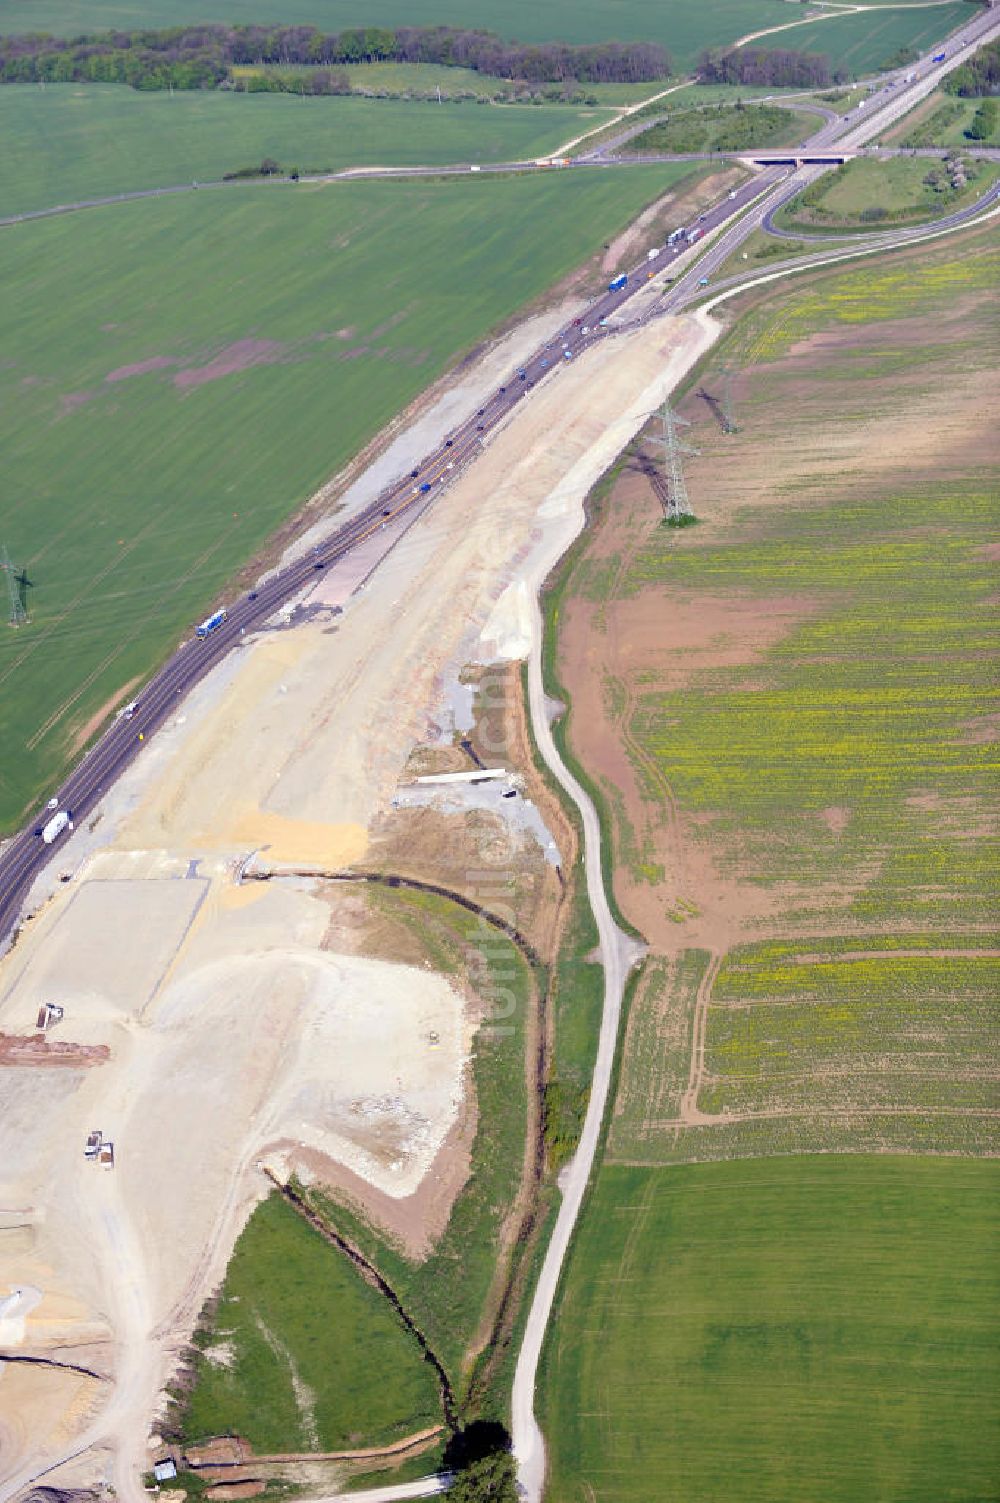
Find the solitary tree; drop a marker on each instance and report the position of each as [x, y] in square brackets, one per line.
[483, 1468]
[491, 1480]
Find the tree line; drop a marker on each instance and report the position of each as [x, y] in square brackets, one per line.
[979, 76]
[202, 57]
[777, 68]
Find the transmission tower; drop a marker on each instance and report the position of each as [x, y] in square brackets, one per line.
[729, 423]
[18, 615]
[676, 505]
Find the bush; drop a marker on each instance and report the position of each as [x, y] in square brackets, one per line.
[984, 121]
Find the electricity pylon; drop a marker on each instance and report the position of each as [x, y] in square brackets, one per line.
[18, 615]
[676, 505]
[729, 423]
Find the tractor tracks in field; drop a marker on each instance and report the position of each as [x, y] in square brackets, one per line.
[690, 1116]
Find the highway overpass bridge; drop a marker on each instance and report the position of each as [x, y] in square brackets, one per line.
[791, 158]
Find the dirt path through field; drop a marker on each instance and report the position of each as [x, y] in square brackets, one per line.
[690, 1113]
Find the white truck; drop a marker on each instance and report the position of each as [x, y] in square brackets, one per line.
[55, 826]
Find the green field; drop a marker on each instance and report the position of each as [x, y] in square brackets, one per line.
[900, 190]
[302, 1354]
[68, 142]
[685, 29]
[857, 42]
[820, 1329]
[940, 120]
[425, 78]
[656, 1055]
[180, 374]
[864, 42]
[915, 1031]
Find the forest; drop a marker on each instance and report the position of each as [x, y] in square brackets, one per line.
[979, 76]
[201, 57]
[758, 65]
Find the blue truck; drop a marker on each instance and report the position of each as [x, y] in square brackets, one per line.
[618, 283]
[939, 57]
[212, 622]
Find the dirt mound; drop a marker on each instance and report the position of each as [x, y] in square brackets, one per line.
[59, 1495]
[36, 1050]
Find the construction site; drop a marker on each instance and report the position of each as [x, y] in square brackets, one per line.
[187, 982]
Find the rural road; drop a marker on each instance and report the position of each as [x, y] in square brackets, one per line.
[618, 953]
[732, 221]
[426, 1487]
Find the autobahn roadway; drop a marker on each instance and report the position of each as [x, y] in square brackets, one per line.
[730, 221]
[734, 217]
[123, 740]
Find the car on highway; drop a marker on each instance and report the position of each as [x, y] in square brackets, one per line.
[448, 442]
[702, 281]
[414, 474]
[319, 564]
[425, 486]
[252, 595]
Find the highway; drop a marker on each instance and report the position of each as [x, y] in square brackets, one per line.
[123, 740]
[726, 225]
[734, 218]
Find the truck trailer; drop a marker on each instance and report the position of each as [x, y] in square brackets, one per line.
[212, 622]
[55, 826]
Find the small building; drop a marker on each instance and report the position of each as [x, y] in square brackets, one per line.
[164, 1471]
